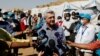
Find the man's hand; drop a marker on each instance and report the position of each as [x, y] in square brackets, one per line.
[41, 53]
[27, 31]
[69, 43]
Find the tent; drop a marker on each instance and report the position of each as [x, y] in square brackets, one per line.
[35, 11]
[98, 4]
[91, 4]
[79, 4]
[67, 5]
[42, 10]
[59, 9]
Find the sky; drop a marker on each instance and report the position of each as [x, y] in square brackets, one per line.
[25, 4]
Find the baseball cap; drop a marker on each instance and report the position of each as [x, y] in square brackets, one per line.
[85, 16]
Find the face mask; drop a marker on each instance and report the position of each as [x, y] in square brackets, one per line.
[75, 20]
[8, 17]
[82, 22]
[98, 21]
[72, 16]
[4, 16]
[67, 17]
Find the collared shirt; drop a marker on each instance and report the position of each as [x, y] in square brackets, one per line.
[56, 34]
[86, 34]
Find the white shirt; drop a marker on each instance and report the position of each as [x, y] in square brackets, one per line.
[85, 35]
[27, 20]
[67, 24]
[73, 20]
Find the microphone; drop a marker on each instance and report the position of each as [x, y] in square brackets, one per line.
[51, 43]
[59, 40]
[43, 38]
[51, 48]
[42, 33]
[57, 34]
[61, 43]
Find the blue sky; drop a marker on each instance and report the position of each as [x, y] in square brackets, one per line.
[26, 4]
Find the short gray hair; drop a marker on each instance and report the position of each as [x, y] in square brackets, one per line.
[49, 11]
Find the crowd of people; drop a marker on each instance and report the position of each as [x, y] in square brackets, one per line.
[72, 34]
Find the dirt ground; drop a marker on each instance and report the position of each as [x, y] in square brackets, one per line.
[27, 51]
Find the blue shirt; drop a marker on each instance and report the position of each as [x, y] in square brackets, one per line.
[57, 34]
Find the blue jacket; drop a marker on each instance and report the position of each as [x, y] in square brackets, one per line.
[5, 25]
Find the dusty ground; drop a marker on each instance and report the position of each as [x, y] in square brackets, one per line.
[26, 51]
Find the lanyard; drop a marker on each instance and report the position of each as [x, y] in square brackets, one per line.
[83, 32]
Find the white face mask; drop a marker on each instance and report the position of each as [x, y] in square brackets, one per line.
[75, 20]
[67, 17]
[72, 16]
[82, 22]
[98, 21]
[8, 17]
[4, 16]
